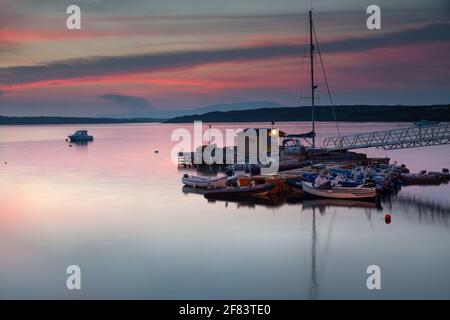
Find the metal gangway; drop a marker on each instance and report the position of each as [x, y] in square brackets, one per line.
[410, 137]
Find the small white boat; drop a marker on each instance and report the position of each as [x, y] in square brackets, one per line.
[201, 182]
[80, 136]
[337, 192]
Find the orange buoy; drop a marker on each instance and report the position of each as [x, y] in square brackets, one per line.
[388, 218]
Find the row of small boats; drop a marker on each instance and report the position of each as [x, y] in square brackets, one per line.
[238, 185]
[333, 183]
[261, 186]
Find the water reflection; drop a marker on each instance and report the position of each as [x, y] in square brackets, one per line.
[314, 286]
[187, 190]
[276, 201]
[413, 207]
[423, 210]
[323, 204]
[117, 209]
[79, 143]
[242, 202]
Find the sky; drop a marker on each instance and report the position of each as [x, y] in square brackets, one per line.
[140, 57]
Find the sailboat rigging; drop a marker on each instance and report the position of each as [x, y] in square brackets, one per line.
[312, 47]
[313, 86]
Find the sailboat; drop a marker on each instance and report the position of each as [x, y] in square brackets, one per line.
[310, 149]
[310, 136]
[335, 192]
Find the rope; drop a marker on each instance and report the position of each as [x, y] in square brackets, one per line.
[326, 82]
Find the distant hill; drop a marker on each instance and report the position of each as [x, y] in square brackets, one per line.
[278, 114]
[360, 113]
[69, 120]
[168, 114]
[236, 106]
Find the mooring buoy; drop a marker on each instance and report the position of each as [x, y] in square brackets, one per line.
[388, 218]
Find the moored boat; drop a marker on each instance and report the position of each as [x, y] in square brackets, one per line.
[294, 183]
[277, 180]
[293, 187]
[80, 136]
[337, 192]
[444, 175]
[202, 182]
[426, 123]
[421, 178]
[250, 190]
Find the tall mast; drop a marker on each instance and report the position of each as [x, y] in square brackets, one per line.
[313, 87]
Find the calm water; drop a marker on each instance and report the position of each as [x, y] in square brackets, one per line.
[116, 209]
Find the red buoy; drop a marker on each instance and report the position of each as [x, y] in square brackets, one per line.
[387, 218]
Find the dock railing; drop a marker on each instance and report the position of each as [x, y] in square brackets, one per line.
[410, 137]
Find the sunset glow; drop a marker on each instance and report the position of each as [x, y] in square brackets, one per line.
[174, 58]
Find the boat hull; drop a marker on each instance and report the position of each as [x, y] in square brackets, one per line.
[198, 182]
[258, 190]
[81, 139]
[340, 192]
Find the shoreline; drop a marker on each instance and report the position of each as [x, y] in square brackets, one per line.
[344, 114]
[187, 123]
[216, 122]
